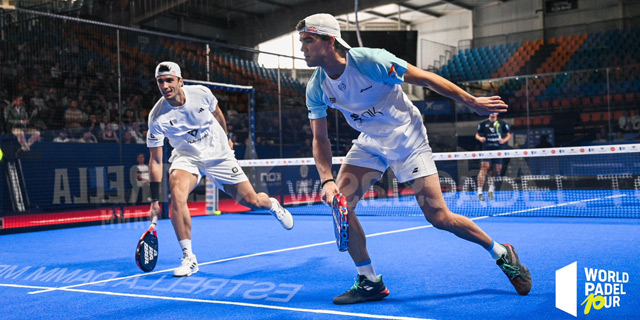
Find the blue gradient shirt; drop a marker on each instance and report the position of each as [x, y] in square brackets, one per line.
[369, 95]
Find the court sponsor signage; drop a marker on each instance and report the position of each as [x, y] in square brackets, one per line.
[112, 281]
[590, 290]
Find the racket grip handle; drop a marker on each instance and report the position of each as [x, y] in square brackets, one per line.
[154, 220]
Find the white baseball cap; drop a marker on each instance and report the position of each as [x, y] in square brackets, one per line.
[168, 68]
[323, 24]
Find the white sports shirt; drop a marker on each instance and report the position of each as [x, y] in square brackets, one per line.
[369, 95]
[192, 130]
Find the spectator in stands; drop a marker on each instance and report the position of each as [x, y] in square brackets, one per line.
[127, 138]
[619, 137]
[17, 119]
[625, 123]
[73, 118]
[137, 133]
[109, 134]
[56, 73]
[62, 137]
[37, 100]
[635, 120]
[88, 137]
[365, 85]
[601, 136]
[142, 179]
[55, 113]
[103, 125]
[494, 135]
[92, 125]
[234, 139]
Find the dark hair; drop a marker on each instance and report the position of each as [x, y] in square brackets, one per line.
[164, 68]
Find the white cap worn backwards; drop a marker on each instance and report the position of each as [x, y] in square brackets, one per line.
[168, 68]
[323, 24]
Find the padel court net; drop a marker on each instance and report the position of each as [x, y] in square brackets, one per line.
[593, 181]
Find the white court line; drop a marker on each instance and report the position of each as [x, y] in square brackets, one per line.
[239, 304]
[314, 245]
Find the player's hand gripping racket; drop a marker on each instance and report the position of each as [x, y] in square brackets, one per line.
[147, 250]
[340, 221]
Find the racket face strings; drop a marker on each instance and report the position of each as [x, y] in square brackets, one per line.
[147, 251]
[340, 221]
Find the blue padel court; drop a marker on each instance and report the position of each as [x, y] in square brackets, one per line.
[251, 268]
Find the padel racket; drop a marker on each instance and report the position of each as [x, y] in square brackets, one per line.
[147, 250]
[340, 221]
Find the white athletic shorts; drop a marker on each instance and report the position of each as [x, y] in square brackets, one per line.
[419, 163]
[220, 171]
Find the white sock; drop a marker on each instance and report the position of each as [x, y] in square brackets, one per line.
[365, 268]
[479, 190]
[492, 188]
[186, 247]
[496, 250]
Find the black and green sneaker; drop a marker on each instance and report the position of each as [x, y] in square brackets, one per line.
[517, 273]
[363, 290]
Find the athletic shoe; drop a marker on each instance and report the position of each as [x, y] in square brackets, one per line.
[363, 290]
[517, 273]
[480, 197]
[491, 197]
[283, 215]
[188, 267]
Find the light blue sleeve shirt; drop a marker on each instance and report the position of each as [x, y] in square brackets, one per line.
[378, 65]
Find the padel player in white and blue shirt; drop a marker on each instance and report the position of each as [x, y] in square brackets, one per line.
[364, 84]
[189, 117]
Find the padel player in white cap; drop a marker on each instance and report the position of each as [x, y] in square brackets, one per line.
[189, 117]
[364, 84]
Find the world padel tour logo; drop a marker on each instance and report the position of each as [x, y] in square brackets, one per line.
[603, 289]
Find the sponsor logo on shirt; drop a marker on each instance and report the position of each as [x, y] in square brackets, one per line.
[365, 89]
[342, 87]
[370, 113]
[194, 133]
[392, 73]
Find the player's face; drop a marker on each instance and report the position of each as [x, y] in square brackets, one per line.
[315, 49]
[493, 117]
[169, 86]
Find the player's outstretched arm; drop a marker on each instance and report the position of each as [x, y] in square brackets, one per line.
[479, 105]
